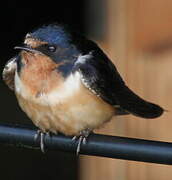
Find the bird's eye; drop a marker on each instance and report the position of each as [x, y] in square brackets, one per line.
[51, 48]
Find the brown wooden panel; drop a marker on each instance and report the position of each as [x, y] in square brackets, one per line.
[136, 29]
[153, 22]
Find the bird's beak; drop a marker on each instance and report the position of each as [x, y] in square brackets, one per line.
[29, 49]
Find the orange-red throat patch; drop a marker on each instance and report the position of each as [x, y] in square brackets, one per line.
[39, 73]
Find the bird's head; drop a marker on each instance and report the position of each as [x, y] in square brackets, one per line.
[52, 42]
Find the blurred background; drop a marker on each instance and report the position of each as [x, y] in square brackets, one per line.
[137, 36]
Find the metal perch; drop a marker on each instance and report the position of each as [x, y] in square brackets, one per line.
[97, 145]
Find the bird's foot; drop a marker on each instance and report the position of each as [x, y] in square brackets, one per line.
[81, 138]
[40, 134]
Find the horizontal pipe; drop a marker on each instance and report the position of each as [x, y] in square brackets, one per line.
[97, 145]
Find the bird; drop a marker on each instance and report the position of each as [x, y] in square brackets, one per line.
[65, 83]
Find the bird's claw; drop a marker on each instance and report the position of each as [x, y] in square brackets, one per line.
[81, 138]
[40, 134]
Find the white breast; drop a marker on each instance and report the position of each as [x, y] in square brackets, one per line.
[69, 108]
[67, 89]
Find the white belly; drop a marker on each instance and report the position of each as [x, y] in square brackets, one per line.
[69, 108]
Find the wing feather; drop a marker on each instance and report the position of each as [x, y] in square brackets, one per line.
[101, 76]
[9, 72]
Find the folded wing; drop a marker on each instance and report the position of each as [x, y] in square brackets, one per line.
[101, 77]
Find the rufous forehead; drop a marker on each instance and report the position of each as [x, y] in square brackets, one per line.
[31, 42]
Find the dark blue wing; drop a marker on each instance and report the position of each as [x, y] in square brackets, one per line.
[101, 76]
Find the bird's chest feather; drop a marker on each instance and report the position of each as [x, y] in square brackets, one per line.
[68, 107]
[39, 73]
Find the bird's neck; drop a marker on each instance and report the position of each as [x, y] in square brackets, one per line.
[39, 73]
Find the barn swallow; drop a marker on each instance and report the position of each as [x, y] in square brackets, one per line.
[66, 83]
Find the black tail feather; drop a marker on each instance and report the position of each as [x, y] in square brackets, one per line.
[132, 103]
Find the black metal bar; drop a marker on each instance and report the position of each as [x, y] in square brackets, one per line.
[98, 145]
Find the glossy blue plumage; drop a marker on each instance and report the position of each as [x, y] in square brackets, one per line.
[52, 34]
[97, 71]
